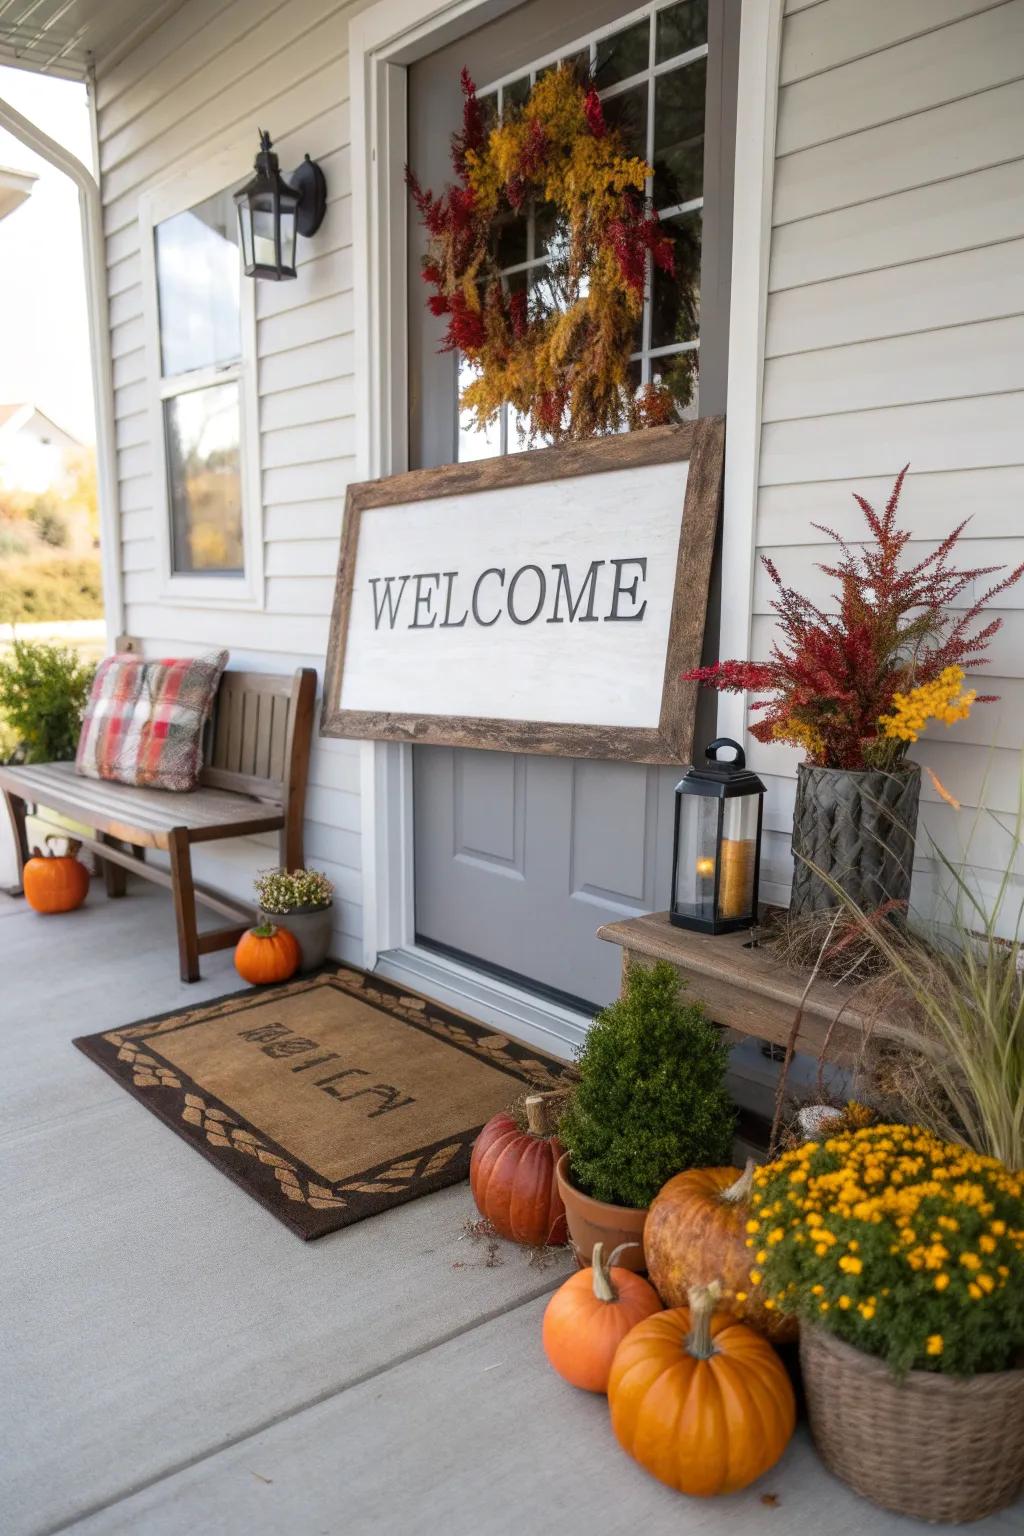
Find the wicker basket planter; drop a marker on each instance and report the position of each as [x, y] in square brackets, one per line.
[929, 1446]
[859, 829]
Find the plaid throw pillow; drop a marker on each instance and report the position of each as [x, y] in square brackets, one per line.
[144, 721]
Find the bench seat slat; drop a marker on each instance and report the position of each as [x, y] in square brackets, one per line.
[123, 809]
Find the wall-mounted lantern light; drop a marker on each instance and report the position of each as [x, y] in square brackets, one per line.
[272, 211]
[717, 855]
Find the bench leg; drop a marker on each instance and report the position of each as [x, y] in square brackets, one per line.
[115, 876]
[16, 812]
[184, 904]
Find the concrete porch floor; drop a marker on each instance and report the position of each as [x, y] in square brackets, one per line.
[175, 1360]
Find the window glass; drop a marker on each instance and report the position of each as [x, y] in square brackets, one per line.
[201, 429]
[679, 134]
[198, 278]
[623, 54]
[680, 28]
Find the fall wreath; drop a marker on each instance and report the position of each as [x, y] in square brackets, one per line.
[557, 353]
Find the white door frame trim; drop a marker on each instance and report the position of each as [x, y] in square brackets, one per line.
[383, 41]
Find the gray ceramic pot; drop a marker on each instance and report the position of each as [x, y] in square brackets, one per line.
[857, 828]
[312, 928]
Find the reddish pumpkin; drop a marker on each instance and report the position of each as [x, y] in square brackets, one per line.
[588, 1317]
[696, 1232]
[267, 954]
[512, 1176]
[699, 1399]
[55, 882]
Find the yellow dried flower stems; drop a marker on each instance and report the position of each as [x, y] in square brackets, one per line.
[942, 699]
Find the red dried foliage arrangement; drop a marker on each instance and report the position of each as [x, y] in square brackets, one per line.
[854, 686]
[559, 354]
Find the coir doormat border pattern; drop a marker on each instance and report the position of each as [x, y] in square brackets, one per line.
[291, 1190]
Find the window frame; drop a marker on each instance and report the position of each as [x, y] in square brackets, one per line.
[221, 171]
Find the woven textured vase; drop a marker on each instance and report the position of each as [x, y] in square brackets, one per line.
[929, 1446]
[858, 828]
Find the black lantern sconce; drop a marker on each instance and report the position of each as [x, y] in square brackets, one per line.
[272, 212]
[716, 859]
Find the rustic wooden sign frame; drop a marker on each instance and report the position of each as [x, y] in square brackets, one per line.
[702, 445]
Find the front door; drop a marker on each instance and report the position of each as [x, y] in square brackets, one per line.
[519, 859]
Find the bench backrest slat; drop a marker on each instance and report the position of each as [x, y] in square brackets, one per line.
[252, 741]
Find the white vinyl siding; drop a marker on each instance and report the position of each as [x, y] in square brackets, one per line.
[895, 333]
[212, 73]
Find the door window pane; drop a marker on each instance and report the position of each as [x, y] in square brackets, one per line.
[628, 113]
[197, 278]
[675, 298]
[679, 134]
[680, 28]
[624, 54]
[201, 429]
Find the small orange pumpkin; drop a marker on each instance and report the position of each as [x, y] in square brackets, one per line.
[55, 882]
[700, 1400]
[588, 1317]
[267, 953]
[696, 1232]
[512, 1176]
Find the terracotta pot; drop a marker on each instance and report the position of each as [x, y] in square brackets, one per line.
[311, 927]
[595, 1221]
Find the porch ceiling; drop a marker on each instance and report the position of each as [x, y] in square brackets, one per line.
[69, 38]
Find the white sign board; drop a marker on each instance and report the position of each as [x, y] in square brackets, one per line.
[541, 603]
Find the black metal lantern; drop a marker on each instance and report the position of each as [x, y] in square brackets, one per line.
[272, 212]
[716, 859]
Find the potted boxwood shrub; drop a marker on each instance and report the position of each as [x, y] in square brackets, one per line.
[650, 1101]
[853, 684]
[903, 1256]
[301, 901]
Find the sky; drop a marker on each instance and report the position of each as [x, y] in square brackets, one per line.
[44, 336]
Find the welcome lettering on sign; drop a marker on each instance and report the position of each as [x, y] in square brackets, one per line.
[544, 602]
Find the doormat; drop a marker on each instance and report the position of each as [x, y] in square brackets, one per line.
[327, 1099]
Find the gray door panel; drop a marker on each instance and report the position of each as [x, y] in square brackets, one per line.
[520, 859]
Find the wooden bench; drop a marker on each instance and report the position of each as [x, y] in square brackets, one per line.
[257, 756]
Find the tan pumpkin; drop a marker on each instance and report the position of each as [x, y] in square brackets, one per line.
[267, 954]
[512, 1176]
[55, 882]
[696, 1232]
[700, 1400]
[588, 1317]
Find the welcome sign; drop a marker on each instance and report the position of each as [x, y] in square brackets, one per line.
[544, 602]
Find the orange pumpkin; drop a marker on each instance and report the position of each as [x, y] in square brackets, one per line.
[267, 954]
[699, 1399]
[55, 882]
[588, 1317]
[512, 1176]
[696, 1232]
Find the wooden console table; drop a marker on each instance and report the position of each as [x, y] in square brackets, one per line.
[747, 991]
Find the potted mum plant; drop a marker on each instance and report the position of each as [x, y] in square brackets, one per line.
[854, 687]
[903, 1256]
[301, 901]
[650, 1101]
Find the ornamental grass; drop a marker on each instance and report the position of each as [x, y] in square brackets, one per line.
[906, 1246]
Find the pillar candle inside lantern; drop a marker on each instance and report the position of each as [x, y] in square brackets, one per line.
[736, 862]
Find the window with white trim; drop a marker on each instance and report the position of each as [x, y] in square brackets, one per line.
[651, 74]
[201, 347]
[198, 281]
